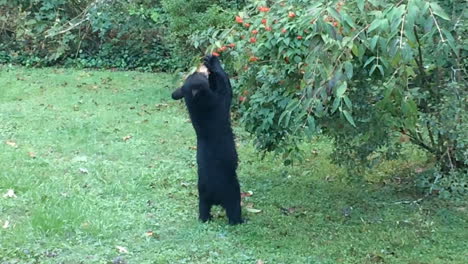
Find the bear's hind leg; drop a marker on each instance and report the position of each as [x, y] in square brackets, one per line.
[204, 207]
[234, 212]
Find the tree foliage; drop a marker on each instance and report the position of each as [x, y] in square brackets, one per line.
[373, 75]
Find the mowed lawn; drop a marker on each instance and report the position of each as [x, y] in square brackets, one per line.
[99, 167]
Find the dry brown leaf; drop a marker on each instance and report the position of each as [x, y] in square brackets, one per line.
[246, 194]
[193, 147]
[122, 249]
[10, 194]
[149, 233]
[126, 138]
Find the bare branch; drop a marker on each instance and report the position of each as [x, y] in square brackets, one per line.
[401, 31]
[437, 25]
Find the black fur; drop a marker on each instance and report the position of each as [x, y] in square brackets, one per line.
[208, 100]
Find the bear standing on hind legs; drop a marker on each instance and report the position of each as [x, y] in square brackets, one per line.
[207, 96]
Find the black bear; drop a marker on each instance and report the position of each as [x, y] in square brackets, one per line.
[207, 94]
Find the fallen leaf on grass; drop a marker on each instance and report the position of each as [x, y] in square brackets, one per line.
[122, 249]
[253, 210]
[11, 143]
[6, 224]
[149, 233]
[10, 194]
[80, 159]
[246, 194]
[289, 210]
[119, 260]
[193, 147]
[32, 154]
[419, 170]
[126, 138]
[250, 209]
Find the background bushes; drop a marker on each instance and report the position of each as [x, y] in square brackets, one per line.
[142, 34]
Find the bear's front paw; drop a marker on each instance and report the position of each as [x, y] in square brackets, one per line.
[212, 63]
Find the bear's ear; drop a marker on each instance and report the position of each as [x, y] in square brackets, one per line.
[177, 94]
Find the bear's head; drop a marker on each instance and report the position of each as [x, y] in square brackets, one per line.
[195, 85]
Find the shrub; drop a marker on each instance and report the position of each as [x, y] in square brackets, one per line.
[121, 34]
[373, 75]
[189, 21]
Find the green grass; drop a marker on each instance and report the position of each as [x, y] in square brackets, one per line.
[100, 159]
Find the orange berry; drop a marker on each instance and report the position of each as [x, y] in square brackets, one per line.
[299, 37]
[291, 14]
[223, 48]
[264, 9]
[216, 54]
[264, 21]
[239, 19]
[253, 58]
[253, 40]
[246, 25]
[268, 28]
[254, 31]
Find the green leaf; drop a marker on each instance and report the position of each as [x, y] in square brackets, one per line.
[355, 50]
[349, 20]
[319, 110]
[374, 25]
[311, 123]
[372, 69]
[297, 59]
[381, 69]
[341, 89]
[371, 59]
[336, 104]
[438, 11]
[349, 117]
[360, 4]
[334, 13]
[409, 33]
[373, 42]
[450, 41]
[348, 102]
[411, 16]
[348, 69]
